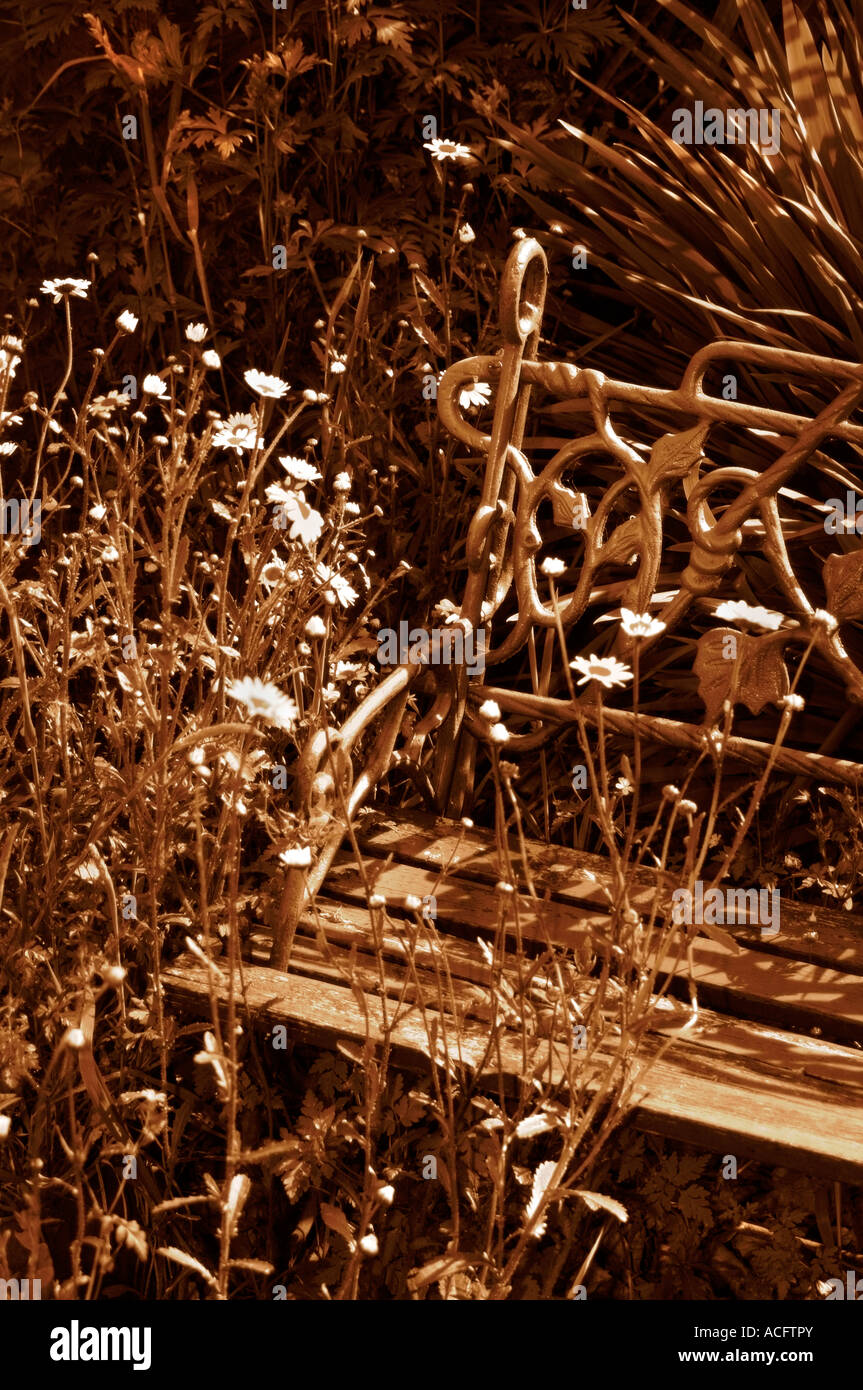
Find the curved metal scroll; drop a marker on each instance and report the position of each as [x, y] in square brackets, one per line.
[505, 536]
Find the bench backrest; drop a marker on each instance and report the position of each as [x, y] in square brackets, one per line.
[721, 505]
[653, 473]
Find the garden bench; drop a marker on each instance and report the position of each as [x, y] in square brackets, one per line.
[412, 945]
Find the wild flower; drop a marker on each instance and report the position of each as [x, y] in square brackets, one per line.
[66, 287]
[640, 624]
[211, 359]
[196, 332]
[102, 407]
[343, 591]
[605, 669]
[315, 627]
[298, 858]
[747, 613]
[299, 469]
[266, 701]
[127, 321]
[292, 509]
[499, 733]
[273, 572]
[342, 483]
[8, 363]
[270, 386]
[792, 702]
[153, 385]
[490, 709]
[446, 149]
[475, 396]
[623, 786]
[552, 567]
[338, 363]
[238, 432]
[466, 234]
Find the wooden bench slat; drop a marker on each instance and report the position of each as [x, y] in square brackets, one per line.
[754, 983]
[741, 1089]
[424, 840]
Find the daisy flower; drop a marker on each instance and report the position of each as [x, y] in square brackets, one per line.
[127, 321]
[476, 395]
[101, 407]
[299, 469]
[237, 432]
[338, 363]
[9, 354]
[270, 386]
[446, 149]
[211, 359]
[605, 669]
[196, 332]
[342, 483]
[299, 858]
[155, 386]
[64, 288]
[291, 507]
[746, 613]
[343, 591]
[266, 701]
[552, 567]
[466, 234]
[640, 624]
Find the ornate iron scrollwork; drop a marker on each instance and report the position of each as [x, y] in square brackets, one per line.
[506, 534]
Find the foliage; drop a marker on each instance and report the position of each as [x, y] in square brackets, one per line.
[202, 606]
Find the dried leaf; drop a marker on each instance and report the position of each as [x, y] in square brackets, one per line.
[843, 582]
[541, 1179]
[180, 1257]
[442, 1268]
[335, 1219]
[597, 1201]
[761, 673]
[534, 1124]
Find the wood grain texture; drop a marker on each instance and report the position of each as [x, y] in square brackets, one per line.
[753, 984]
[734, 1088]
[738, 1081]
